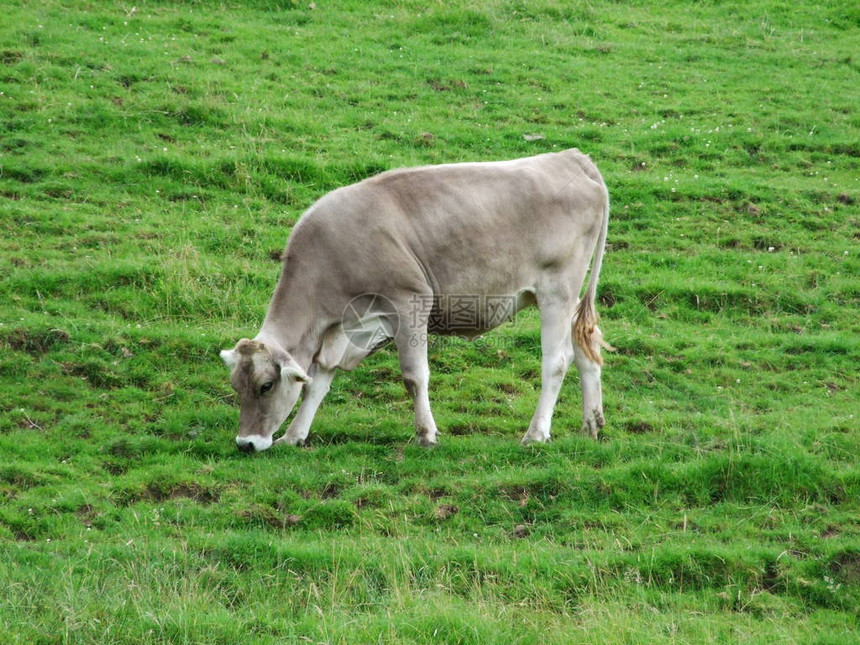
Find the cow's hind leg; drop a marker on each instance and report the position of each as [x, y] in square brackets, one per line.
[556, 356]
[592, 391]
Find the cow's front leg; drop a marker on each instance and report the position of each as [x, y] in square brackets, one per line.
[592, 390]
[556, 356]
[313, 395]
[412, 349]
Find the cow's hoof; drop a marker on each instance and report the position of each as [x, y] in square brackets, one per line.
[592, 424]
[427, 442]
[290, 441]
[534, 438]
[592, 430]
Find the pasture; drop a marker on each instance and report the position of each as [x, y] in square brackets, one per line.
[153, 158]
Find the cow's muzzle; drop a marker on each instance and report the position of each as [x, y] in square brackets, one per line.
[253, 443]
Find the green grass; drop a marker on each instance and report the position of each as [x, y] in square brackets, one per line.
[151, 166]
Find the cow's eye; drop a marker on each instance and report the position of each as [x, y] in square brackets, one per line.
[265, 387]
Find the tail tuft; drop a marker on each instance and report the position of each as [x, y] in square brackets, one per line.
[585, 331]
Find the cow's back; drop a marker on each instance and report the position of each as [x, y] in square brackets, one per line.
[472, 228]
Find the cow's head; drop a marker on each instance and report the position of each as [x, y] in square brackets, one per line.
[268, 382]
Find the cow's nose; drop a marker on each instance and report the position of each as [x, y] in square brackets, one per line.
[253, 443]
[244, 446]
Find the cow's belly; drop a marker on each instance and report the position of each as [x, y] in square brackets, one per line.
[471, 314]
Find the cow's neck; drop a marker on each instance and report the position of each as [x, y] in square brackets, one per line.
[293, 319]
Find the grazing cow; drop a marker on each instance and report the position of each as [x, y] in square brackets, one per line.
[390, 258]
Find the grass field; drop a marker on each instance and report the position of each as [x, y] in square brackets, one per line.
[152, 161]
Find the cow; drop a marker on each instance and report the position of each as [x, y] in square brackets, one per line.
[381, 260]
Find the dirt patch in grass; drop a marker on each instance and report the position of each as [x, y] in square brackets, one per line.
[846, 566]
[639, 427]
[330, 490]
[268, 516]
[86, 514]
[436, 493]
[36, 341]
[444, 511]
[156, 492]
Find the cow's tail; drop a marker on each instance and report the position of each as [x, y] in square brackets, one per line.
[585, 331]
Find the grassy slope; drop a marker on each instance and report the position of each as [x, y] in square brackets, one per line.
[151, 166]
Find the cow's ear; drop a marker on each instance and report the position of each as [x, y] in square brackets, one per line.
[288, 366]
[230, 357]
[292, 371]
